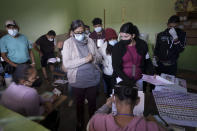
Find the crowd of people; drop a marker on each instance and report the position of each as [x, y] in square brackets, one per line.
[90, 59]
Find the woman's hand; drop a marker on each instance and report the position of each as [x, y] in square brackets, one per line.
[89, 58]
[109, 102]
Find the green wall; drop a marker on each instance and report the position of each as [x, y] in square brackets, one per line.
[149, 15]
[36, 17]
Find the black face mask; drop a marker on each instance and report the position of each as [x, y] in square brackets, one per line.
[125, 42]
[37, 83]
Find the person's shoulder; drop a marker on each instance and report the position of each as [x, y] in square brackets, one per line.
[5, 37]
[68, 42]
[92, 34]
[141, 41]
[142, 124]
[101, 117]
[23, 36]
[90, 39]
[181, 31]
[30, 92]
[164, 32]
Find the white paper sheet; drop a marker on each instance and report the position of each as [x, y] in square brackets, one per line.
[156, 80]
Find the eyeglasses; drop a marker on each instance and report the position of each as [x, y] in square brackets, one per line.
[79, 32]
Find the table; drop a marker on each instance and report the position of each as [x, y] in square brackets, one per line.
[17, 122]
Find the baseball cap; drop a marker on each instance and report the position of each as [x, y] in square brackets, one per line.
[10, 22]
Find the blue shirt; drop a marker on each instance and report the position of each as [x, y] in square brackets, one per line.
[17, 49]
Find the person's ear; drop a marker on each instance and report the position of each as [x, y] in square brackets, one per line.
[133, 36]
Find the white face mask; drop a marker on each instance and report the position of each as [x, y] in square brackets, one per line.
[113, 42]
[98, 29]
[13, 32]
[79, 37]
[50, 39]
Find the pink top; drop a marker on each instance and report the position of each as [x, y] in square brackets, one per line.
[131, 59]
[106, 122]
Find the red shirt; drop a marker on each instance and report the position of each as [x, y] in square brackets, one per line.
[131, 63]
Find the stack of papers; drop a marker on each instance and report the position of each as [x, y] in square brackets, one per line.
[61, 82]
[179, 84]
[177, 107]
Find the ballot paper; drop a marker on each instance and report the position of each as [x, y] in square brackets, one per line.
[179, 84]
[139, 109]
[168, 77]
[156, 80]
[61, 82]
[47, 95]
[177, 107]
[172, 87]
[177, 81]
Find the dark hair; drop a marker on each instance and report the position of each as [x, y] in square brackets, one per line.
[109, 49]
[174, 19]
[125, 92]
[51, 33]
[86, 26]
[130, 29]
[75, 24]
[21, 72]
[97, 21]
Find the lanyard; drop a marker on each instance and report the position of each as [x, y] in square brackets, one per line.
[125, 114]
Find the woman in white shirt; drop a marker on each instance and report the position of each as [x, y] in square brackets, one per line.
[106, 52]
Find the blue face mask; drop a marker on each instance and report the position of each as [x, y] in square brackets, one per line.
[79, 37]
[113, 42]
[98, 29]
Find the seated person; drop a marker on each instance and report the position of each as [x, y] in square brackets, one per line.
[125, 98]
[21, 97]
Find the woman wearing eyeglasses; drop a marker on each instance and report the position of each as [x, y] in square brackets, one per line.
[130, 58]
[80, 57]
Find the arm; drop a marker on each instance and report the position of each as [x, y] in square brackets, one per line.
[35, 46]
[69, 63]
[97, 56]
[4, 52]
[4, 56]
[157, 46]
[32, 56]
[180, 43]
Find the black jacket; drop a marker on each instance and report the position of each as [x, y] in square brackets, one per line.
[119, 51]
[166, 49]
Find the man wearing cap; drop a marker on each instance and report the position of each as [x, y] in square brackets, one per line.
[15, 47]
[169, 44]
[46, 50]
[98, 35]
